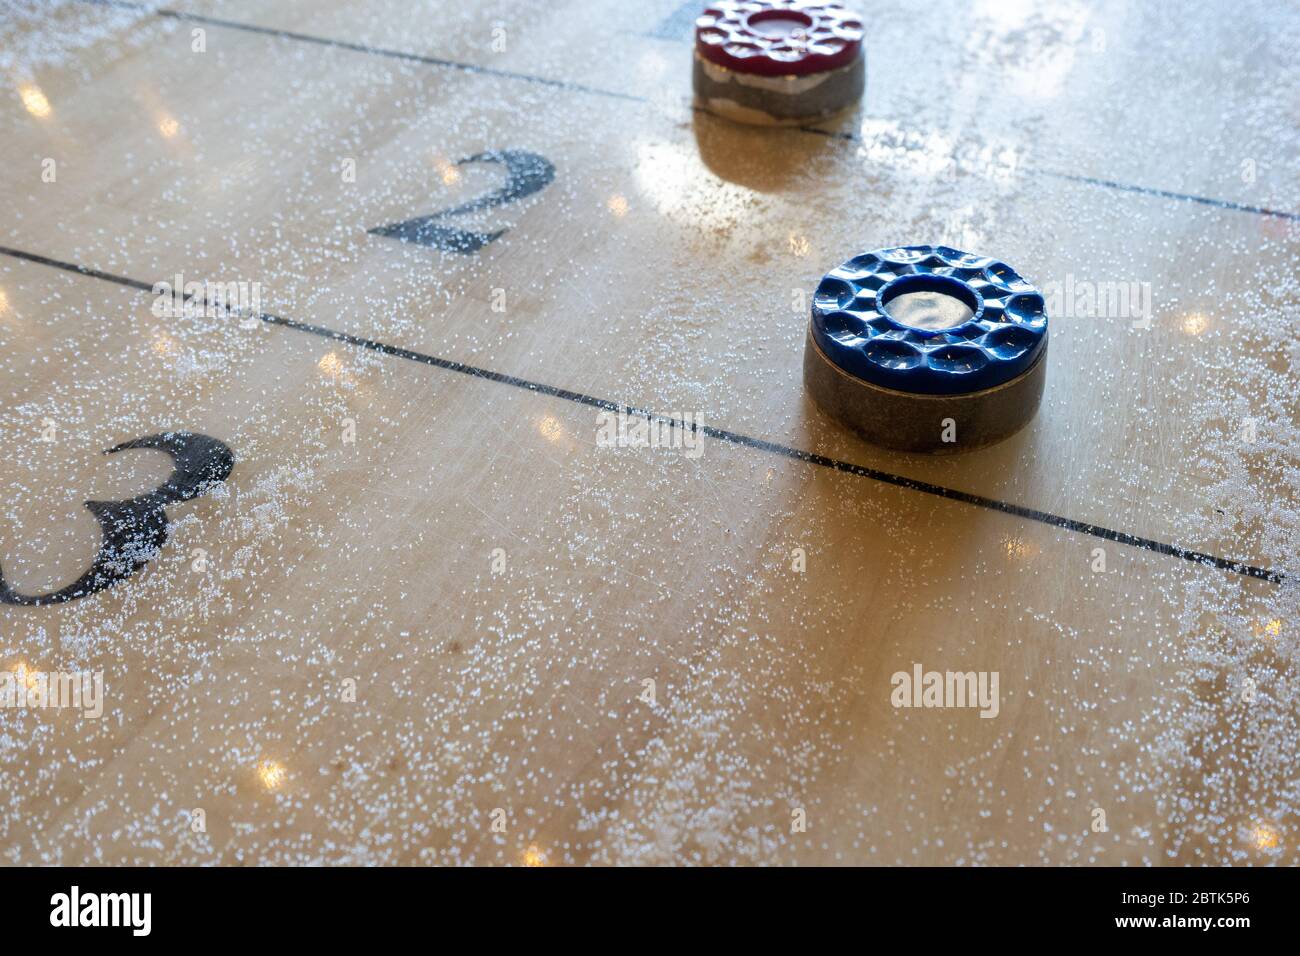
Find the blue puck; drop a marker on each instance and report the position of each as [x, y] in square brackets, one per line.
[929, 320]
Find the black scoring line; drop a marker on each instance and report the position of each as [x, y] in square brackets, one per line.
[168, 13]
[363, 48]
[720, 434]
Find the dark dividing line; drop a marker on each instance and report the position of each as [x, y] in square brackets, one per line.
[1105, 183]
[79, 270]
[720, 434]
[630, 97]
[1167, 194]
[993, 504]
[364, 48]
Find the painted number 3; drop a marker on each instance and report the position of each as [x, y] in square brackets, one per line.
[135, 529]
[526, 173]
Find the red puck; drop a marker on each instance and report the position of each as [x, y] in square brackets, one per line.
[778, 37]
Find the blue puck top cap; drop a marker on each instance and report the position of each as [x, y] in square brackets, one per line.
[929, 320]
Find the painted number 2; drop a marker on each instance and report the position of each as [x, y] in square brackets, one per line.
[526, 173]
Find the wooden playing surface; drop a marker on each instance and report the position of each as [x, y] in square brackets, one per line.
[418, 504]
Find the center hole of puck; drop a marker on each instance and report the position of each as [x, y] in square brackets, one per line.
[932, 303]
[780, 24]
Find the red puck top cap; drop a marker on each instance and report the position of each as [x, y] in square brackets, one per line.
[778, 37]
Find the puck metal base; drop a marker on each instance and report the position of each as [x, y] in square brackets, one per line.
[908, 421]
[777, 100]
